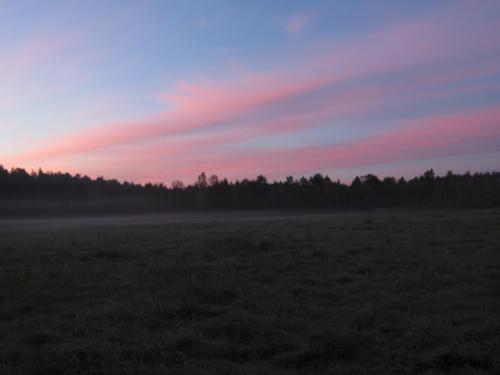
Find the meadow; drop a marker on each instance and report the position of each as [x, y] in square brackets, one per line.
[374, 292]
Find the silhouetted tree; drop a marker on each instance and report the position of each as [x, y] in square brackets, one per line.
[202, 181]
[177, 184]
[213, 180]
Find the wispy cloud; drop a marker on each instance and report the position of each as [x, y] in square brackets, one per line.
[298, 22]
[422, 139]
[320, 89]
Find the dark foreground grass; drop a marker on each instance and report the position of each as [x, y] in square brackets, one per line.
[371, 293]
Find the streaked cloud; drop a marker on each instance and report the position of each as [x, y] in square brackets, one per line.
[422, 87]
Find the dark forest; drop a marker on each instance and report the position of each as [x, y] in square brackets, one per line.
[21, 191]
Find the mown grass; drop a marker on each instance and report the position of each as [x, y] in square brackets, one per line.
[367, 293]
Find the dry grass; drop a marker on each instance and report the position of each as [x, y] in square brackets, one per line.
[367, 293]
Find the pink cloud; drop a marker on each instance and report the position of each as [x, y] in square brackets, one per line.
[195, 107]
[421, 139]
[200, 106]
[356, 100]
[245, 107]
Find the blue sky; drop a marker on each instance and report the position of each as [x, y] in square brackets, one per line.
[161, 90]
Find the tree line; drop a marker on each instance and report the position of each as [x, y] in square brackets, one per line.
[478, 190]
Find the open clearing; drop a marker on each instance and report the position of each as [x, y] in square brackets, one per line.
[347, 293]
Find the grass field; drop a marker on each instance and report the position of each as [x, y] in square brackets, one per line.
[349, 293]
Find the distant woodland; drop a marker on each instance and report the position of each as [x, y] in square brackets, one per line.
[22, 192]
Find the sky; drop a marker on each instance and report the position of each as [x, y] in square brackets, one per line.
[156, 91]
